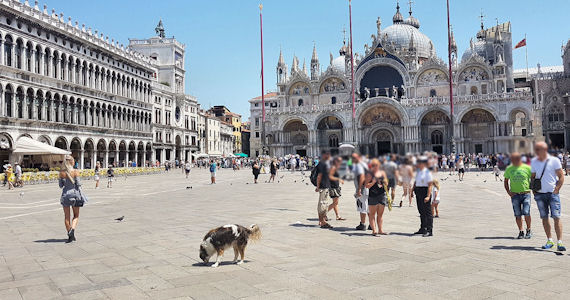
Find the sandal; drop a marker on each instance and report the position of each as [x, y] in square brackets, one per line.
[340, 219]
[326, 226]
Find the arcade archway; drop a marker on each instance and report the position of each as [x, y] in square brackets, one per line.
[478, 131]
[330, 133]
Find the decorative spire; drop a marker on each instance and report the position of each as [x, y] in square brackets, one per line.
[281, 61]
[315, 57]
[398, 18]
[498, 37]
[305, 67]
[482, 20]
[411, 20]
[453, 42]
[160, 29]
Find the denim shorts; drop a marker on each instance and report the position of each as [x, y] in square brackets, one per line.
[548, 202]
[521, 204]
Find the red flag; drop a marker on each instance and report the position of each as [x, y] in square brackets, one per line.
[521, 44]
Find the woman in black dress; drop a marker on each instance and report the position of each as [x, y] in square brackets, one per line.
[255, 170]
[376, 182]
[272, 170]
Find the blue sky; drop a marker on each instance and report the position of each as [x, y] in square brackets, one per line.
[222, 36]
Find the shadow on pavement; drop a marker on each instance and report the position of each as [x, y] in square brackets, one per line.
[357, 233]
[520, 248]
[494, 238]
[303, 225]
[223, 263]
[51, 241]
[401, 233]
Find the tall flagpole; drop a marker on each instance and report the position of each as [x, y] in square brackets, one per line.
[352, 74]
[526, 53]
[452, 127]
[262, 83]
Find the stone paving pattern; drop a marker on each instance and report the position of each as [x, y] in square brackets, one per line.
[153, 253]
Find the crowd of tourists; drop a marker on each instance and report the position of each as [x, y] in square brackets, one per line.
[375, 179]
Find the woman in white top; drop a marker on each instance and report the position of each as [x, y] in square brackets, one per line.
[435, 198]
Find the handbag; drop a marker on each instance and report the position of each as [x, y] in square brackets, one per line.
[536, 183]
[82, 198]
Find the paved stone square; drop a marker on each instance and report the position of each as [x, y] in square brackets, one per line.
[153, 253]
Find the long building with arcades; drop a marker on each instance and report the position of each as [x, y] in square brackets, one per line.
[72, 87]
[402, 97]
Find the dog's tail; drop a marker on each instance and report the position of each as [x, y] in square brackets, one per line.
[254, 232]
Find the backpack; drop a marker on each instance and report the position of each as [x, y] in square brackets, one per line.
[212, 168]
[314, 175]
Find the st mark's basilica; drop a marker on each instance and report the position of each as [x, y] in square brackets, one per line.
[402, 97]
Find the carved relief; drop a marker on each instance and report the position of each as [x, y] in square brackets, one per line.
[435, 118]
[299, 88]
[473, 74]
[478, 116]
[380, 114]
[332, 84]
[431, 77]
[329, 123]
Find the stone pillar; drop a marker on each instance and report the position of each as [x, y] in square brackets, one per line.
[137, 158]
[13, 56]
[94, 158]
[81, 159]
[105, 163]
[2, 52]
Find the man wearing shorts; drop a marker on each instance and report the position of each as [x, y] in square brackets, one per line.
[549, 170]
[517, 185]
[460, 168]
[323, 186]
[361, 195]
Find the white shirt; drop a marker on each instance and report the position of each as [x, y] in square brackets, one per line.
[423, 178]
[433, 191]
[549, 178]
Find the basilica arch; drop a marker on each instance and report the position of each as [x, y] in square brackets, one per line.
[478, 131]
[435, 131]
[380, 130]
[330, 133]
[296, 137]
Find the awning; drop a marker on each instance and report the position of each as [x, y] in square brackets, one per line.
[241, 154]
[28, 146]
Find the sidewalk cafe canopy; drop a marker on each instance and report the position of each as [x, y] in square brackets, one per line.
[28, 146]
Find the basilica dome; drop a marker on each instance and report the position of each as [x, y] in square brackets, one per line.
[400, 35]
[477, 47]
[339, 64]
[404, 34]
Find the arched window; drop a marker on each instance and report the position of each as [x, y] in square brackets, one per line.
[19, 54]
[37, 59]
[46, 62]
[432, 93]
[333, 100]
[8, 96]
[54, 65]
[333, 141]
[8, 51]
[555, 114]
[300, 102]
[29, 57]
[436, 137]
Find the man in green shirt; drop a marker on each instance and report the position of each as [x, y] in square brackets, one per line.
[517, 185]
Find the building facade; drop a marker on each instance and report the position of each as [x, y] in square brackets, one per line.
[72, 87]
[402, 98]
[551, 89]
[234, 120]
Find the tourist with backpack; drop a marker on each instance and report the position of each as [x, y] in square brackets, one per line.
[322, 186]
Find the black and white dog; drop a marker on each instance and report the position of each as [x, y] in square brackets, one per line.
[219, 239]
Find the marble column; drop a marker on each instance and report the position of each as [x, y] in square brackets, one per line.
[81, 159]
